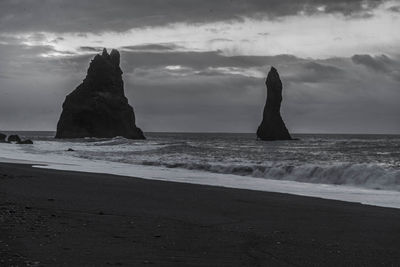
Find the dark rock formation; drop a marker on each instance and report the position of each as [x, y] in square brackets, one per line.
[14, 138]
[3, 138]
[98, 106]
[26, 142]
[272, 126]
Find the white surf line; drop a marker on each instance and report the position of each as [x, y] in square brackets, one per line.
[381, 198]
[30, 162]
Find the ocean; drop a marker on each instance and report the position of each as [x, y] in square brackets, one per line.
[360, 168]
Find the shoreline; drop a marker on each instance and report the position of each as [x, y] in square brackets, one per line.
[54, 217]
[348, 193]
[359, 182]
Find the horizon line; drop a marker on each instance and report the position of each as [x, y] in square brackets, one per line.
[218, 132]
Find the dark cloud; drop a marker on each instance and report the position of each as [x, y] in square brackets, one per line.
[120, 15]
[378, 63]
[313, 72]
[37, 37]
[161, 47]
[322, 69]
[395, 9]
[58, 39]
[220, 40]
[90, 49]
[381, 64]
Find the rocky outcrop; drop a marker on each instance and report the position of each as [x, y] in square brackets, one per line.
[98, 106]
[26, 142]
[272, 126]
[14, 139]
[2, 138]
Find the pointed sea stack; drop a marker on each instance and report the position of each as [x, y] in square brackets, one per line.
[98, 106]
[272, 126]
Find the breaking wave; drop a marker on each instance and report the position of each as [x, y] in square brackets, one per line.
[362, 161]
[362, 175]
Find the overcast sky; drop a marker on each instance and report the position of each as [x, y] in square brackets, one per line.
[196, 65]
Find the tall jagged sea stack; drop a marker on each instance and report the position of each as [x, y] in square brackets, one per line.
[98, 106]
[272, 126]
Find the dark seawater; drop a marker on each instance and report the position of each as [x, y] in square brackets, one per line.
[369, 161]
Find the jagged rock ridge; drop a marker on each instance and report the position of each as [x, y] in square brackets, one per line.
[272, 126]
[98, 106]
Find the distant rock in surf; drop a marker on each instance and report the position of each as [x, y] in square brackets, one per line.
[26, 142]
[98, 106]
[3, 138]
[272, 126]
[14, 138]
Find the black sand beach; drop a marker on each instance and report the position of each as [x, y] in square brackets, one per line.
[60, 218]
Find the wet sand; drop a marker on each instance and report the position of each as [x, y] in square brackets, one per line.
[53, 218]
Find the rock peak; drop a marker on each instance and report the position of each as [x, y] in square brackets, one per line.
[115, 57]
[272, 126]
[98, 106]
